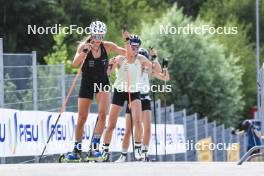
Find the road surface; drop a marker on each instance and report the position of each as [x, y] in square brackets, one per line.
[134, 169]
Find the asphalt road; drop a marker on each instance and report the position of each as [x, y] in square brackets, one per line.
[134, 169]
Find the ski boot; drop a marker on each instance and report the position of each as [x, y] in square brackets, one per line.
[105, 157]
[94, 156]
[138, 154]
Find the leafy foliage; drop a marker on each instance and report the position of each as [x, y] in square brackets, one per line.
[203, 78]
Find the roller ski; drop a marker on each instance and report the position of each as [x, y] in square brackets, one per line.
[146, 158]
[94, 156]
[122, 158]
[138, 156]
[76, 157]
[105, 157]
[73, 157]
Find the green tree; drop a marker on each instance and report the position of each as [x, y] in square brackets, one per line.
[60, 53]
[114, 13]
[10, 94]
[49, 87]
[244, 11]
[15, 17]
[203, 78]
[190, 7]
[240, 14]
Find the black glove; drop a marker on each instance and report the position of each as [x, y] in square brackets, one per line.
[164, 63]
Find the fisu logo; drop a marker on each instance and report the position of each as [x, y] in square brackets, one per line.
[28, 132]
[59, 131]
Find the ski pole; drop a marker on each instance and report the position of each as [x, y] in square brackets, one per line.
[165, 65]
[91, 143]
[129, 97]
[64, 104]
[154, 108]
[130, 109]
[61, 111]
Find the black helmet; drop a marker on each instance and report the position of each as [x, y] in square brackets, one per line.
[246, 125]
[135, 40]
[143, 52]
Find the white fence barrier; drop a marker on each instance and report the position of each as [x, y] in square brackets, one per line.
[24, 133]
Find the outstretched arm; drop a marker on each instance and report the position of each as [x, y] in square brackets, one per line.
[163, 75]
[112, 47]
[155, 66]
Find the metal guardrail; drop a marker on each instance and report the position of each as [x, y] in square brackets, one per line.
[248, 156]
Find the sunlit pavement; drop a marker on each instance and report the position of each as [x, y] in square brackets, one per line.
[135, 169]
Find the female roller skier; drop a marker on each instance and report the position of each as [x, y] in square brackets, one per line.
[92, 56]
[146, 107]
[127, 88]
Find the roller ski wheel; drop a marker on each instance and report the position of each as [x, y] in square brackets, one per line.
[61, 158]
[92, 156]
[147, 159]
[105, 157]
[96, 156]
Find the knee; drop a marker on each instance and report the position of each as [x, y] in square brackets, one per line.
[82, 118]
[137, 121]
[82, 115]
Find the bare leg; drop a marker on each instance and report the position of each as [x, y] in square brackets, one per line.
[146, 118]
[126, 139]
[84, 105]
[102, 99]
[137, 122]
[113, 116]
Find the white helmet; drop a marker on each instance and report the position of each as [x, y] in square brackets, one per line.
[98, 27]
